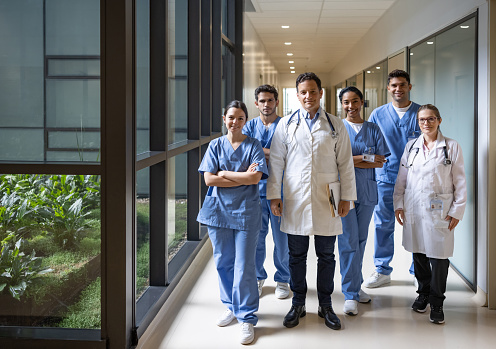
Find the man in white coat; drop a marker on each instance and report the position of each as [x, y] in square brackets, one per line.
[310, 153]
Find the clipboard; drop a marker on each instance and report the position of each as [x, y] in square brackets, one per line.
[334, 196]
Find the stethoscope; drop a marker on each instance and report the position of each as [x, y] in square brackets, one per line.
[409, 164]
[334, 133]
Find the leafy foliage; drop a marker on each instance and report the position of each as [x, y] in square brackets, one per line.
[18, 270]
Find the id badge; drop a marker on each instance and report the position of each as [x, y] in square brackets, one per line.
[436, 205]
[368, 157]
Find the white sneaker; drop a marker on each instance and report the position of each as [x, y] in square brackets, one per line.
[282, 290]
[376, 280]
[226, 318]
[363, 297]
[350, 307]
[260, 285]
[247, 333]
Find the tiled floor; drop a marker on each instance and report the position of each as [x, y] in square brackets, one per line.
[188, 318]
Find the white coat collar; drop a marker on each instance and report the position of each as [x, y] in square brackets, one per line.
[440, 141]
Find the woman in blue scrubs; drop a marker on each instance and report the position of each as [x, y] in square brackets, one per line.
[232, 167]
[369, 151]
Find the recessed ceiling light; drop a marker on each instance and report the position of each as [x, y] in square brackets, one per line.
[287, 43]
[289, 54]
[284, 26]
[291, 62]
[411, 53]
[292, 72]
[368, 71]
[464, 26]
[377, 67]
[430, 42]
[291, 67]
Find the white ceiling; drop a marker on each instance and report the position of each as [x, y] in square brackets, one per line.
[321, 32]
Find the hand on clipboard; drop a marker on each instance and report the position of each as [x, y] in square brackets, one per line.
[338, 208]
[334, 194]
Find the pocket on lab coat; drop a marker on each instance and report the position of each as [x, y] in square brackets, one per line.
[438, 216]
[292, 186]
[408, 205]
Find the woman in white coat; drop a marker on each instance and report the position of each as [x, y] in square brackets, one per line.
[429, 200]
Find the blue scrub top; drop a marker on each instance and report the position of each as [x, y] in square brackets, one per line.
[370, 138]
[236, 207]
[397, 133]
[256, 129]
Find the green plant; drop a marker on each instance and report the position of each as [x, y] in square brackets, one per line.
[17, 270]
[68, 220]
[14, 214]
[86, 313]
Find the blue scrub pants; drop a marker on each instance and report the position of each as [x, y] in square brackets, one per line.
[351, 246]
[384, 228]
[298, 250]
[384, 220]
[281, 251]
[234, 256]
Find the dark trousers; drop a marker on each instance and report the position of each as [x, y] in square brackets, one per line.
[431, 274]
[324, 249]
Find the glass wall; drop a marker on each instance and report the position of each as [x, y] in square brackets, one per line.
[107, 232]
[443, 70]
[375, 87]
[178, 70]
[50, 95]
[50, 261]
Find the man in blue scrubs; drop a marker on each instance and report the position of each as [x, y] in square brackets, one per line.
[398, 123]
[262, 128]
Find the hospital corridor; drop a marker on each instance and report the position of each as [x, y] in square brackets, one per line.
[386, 322]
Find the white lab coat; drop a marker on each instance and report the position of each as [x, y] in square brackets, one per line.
[425, 229]
[309, 163]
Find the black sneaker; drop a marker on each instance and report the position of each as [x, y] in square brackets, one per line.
[420, 304]
[437, 315]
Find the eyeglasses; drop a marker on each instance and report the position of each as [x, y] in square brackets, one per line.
[429, 120]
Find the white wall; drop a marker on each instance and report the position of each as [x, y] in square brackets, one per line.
[404, 23]
[258, 68]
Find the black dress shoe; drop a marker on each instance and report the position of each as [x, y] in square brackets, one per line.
[331, 319]
[292, 318]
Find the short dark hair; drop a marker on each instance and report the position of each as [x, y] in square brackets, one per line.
[429, 107]
[398, 73]
[268, 89]
[308, 76]
[238, 105]
[350, 89]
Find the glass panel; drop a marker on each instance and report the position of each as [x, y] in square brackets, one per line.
[351, 81]
[51, 223]
[73, 27]
[291, 102]
[142, 231]
[177, 178]
[21, 67]
[73, 67]
[73, 103]
[455, 98]
[74, 139]
[422, 72]
[143, 76]
[375, 87]
[21, 144]
[178, 70]
[80, 155]
[339, 108]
